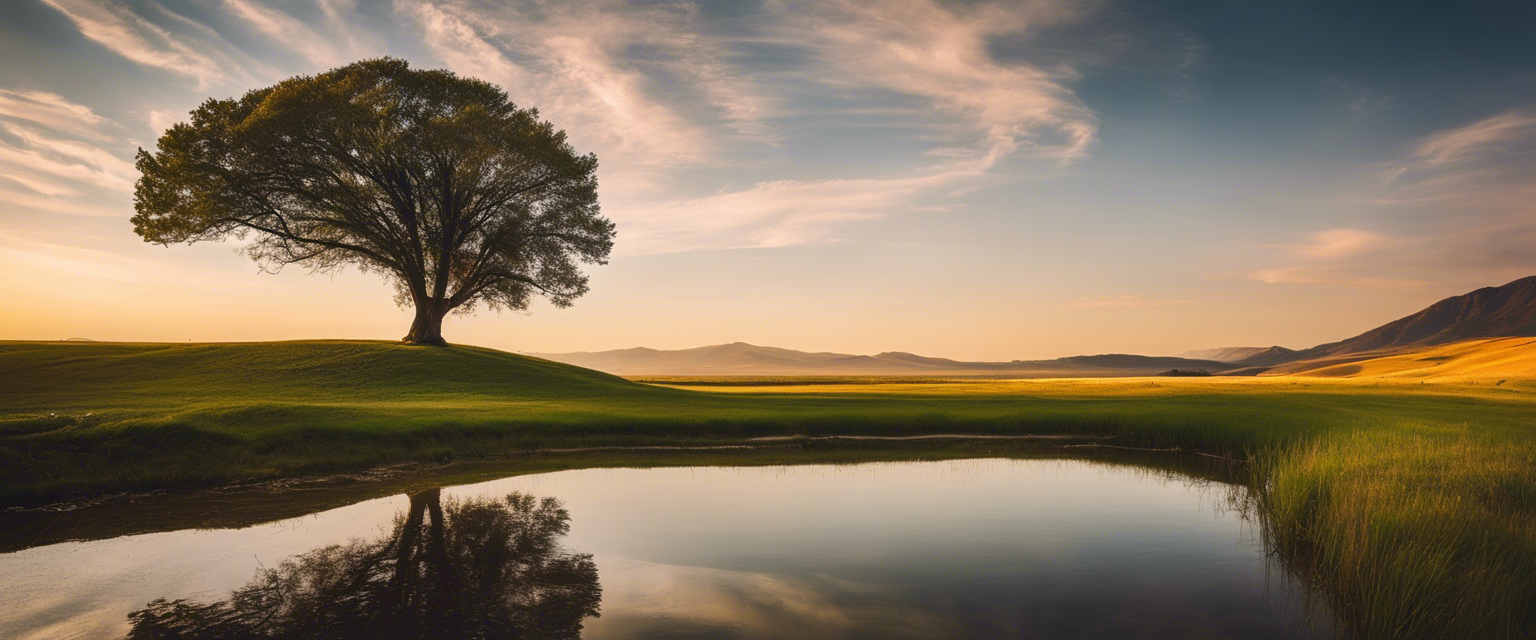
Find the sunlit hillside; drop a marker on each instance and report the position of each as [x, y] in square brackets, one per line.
[1492, 359]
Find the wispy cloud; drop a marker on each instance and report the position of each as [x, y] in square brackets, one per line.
[1284, 275]
[58, 151]
[657, 91]
[328, 47]
[939, 53]
[1334, 275]
[570, 61]
[1474, 179]
[50, 203]
[37, 160]
[159, 120]
[770, 214]
[1460, 202]
[1339, 243]
[112, 171]
[50, 110]
[464, 50]
[1353, 257]
[663, 92]
[1482, 167]
[1476, 140]
[37, 184]
[127, 34]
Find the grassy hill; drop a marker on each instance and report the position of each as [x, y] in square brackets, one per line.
[1408, 503]
[78, 417]
[40, 374]
[1495, 360]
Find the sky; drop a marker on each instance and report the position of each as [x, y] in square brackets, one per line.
[974, 180]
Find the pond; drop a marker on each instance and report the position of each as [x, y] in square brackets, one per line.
[1042, 548]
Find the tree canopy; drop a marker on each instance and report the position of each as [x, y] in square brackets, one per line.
[439, 182]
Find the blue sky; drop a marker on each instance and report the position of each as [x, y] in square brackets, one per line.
[966, 179]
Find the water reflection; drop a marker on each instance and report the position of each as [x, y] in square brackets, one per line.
[456, 568]
[987, 547]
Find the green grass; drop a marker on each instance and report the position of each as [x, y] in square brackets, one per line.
[1416, 530]
[1413, 506]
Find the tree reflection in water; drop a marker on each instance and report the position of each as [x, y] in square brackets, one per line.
[477, 568]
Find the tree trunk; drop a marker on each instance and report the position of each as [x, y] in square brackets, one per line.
[406, 591]
[427, 328]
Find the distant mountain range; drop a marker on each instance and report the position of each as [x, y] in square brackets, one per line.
[1490, 312]
[742, 359]
[1236, 354]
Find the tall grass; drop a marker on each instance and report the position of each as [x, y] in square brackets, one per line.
[1411, 535]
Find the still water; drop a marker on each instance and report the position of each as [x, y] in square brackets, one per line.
[951, 549]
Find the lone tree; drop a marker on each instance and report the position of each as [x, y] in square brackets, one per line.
[438, 182]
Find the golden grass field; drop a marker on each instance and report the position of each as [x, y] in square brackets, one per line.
[1483, 360]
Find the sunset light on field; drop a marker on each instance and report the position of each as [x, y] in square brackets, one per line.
[765, 319]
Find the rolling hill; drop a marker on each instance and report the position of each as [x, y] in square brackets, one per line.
[1463, 361]
[58, 375]
[742, 359]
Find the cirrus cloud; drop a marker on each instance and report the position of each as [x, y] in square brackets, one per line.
[126, 33]
[660, 91]
[1459, 203]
